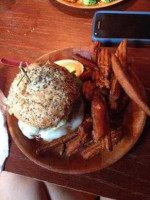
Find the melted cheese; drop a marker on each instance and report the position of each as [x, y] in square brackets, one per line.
[50, 134]
[27, 130]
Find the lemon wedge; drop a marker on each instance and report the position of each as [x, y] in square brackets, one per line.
[71, 66]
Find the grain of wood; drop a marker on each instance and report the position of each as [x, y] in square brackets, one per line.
[31, 28]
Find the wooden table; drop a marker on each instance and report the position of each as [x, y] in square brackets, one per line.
[30, 28]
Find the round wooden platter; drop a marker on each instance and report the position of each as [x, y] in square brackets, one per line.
[79, 4]
[134, 121]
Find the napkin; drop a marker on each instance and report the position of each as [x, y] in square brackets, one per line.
[4, 146]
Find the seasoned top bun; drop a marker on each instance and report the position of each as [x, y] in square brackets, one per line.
[47, 99]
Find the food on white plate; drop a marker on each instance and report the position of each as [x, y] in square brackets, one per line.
[89, 2]
[107, 1]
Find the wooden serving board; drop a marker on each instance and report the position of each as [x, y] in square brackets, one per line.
[134, 121]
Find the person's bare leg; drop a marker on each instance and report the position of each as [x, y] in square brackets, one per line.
[15, 187]
[105, 198]
[60, 193]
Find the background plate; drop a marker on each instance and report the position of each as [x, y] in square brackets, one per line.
[79, 5]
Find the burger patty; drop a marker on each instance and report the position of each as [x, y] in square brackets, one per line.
[45, 100]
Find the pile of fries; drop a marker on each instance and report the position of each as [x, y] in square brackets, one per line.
[106, 91]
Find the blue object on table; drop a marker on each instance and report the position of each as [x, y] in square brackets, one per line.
[114, 26]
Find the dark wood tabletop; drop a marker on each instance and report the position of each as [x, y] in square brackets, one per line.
[30, 28]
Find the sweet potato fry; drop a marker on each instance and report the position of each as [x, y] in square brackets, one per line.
[50, 145]
[114, 93]
[100, 80]
[59, 149]
[101, 77]
[86, 75]
[115, 87]
[84, 129]
[88, 64]
[86, 126]
[88, 89]
[104, 62]
[101, 126]
[116, 135]
[121, 53]
[130, 84]
[75, 143]
[95, 148]
[107, 142]
[94, 49]
[91, 151]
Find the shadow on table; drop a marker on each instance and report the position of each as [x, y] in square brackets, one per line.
[3, 78]
[142, 147]
[82, 13]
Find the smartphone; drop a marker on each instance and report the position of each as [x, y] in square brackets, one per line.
[113, 26]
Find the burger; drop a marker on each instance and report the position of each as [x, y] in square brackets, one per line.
[45, 98]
